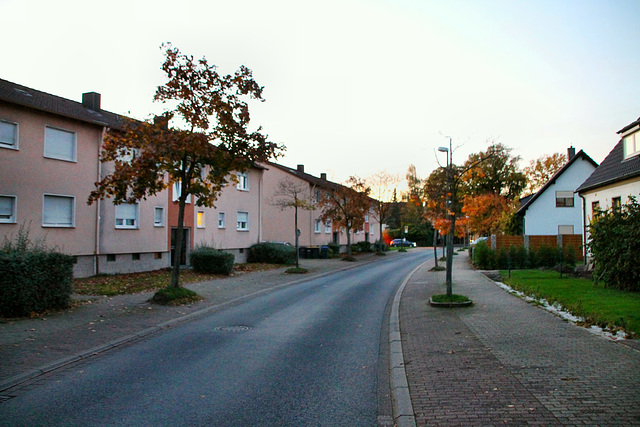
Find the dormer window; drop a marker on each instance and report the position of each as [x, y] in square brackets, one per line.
[632, 144]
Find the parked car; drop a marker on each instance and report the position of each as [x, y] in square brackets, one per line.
[402, 242]
[478, 240]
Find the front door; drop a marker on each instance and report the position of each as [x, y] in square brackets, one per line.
[185, 241]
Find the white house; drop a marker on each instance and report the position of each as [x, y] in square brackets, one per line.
[555, 208]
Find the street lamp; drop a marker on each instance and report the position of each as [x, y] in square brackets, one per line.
[450, 212]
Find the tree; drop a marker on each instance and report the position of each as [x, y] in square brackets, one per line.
[214, 142]
[485, 212]
[540, 171]
[346, 206]
[498, 173]
[383, 189]
[290, 194]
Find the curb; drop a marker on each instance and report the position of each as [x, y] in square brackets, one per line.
[127, 339]
[403, 414]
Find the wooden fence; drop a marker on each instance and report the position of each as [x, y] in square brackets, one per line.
[563, 241]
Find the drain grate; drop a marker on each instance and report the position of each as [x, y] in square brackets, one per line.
[235, 328]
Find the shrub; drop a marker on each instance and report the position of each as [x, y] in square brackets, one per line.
[272, 253]
[334, 248]
[211, 261]
[615, 244]
[483, 256]
[363, 247]
[502, 260]
[34, 280]
[380, 246]
[518, 256]
[175, 296]
[569, 256]
[548, 256]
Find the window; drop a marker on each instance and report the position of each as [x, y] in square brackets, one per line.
[243, 181]
[565, 229]
[135, 257]
[158, 218]
[8, 134]
[243, 221]
[616, 203]
[366, 218]
[58, 211]
[595, 209]
[111, 257]
[327, 227]
[59, 144]
[316, 228]
[8, 209]
[157, 255]
[177, 190]
[632, 145]
[564, 199]
[127, 215]
[200, 219]
[316, 196]
[221, 223]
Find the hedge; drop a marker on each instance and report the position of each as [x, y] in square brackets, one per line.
[211, 261]
[34, 282]
[520, 258]
[272, 253]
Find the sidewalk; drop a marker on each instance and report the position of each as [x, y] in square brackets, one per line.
[31, 347]
[505, 361]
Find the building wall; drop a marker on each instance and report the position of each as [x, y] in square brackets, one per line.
[543, 217]
[29, 175]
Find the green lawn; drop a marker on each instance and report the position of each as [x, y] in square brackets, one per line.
[597, 305]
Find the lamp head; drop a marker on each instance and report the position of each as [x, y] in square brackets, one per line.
[443, 149]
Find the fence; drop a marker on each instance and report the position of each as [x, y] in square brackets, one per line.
[563, 241]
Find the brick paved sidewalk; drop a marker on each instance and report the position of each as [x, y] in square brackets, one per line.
[505, 361]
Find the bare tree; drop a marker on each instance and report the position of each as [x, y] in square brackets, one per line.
[382, 185]
[291, 194]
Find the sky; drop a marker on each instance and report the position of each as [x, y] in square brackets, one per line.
[355, 87]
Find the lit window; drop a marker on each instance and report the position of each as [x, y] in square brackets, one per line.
[243, 181]
[221, 223]
[58, 211]
[127, 215]
[8, 134]
[200, 219]
[158, 219]
[564, 199]
[243, 221]
[632, 144]
[59, 144]
[8, 209]
[317, 226]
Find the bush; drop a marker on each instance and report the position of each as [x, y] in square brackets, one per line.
[211, 261]
[614, 244]
[547, 256]
[272, 253]
[334, 248]
[175, 296]
[363, 247]
[569, 256]
[380, 246]
[34, 281]
[502, 259]
[483, 256]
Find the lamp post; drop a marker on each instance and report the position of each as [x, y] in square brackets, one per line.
[450, 213]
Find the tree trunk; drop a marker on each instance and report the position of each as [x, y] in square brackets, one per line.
[175, 275]
[435, 246]
[297, 238]
[348, 240]
[450, 254]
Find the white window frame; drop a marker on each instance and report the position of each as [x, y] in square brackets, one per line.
[328, 229]
[71, 224]
[16, 135]
[565, 195]
[52, 155]
[221, 220]
[14, 209]
[316, 227]
[177, 189]
[136, 217]
[631, 145]
[242, 225]
[200, 222]
[158, 222]
[243, 181]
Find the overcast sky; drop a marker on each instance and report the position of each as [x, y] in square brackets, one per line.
[353, 87]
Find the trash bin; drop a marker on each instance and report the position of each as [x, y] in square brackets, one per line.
[324, 252]
[302, 252]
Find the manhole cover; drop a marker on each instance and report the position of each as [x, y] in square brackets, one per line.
[236, 328]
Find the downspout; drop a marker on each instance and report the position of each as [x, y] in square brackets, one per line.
[260, 185]
[96, 251]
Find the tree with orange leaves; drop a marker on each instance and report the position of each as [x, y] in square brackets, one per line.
[486, 212]
[540, 171]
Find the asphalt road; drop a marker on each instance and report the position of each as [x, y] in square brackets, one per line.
[308, 354]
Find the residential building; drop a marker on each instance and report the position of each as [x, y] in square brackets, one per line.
[555, 208]
[617, 178]
[49, 162]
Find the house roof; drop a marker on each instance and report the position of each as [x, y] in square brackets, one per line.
[614, 168]
[21, 95]
[528, 200]
[300, 173]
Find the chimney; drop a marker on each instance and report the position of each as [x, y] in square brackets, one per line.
[571, 153]
[91, 100]
[300, 168]
[323, 176]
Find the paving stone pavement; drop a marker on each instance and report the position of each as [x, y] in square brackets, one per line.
[504, 361]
